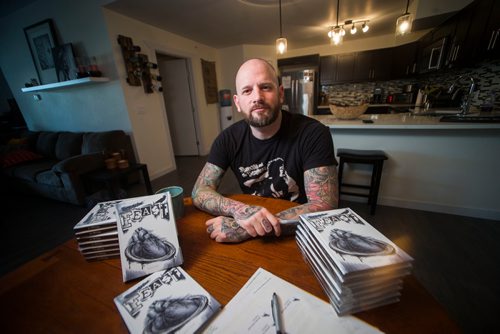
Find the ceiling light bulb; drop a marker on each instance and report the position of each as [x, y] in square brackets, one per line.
[281, 45]
[336, 38]
[365, 27]
[330, 33]
[342, 31]
[353, 29]
[403, 24]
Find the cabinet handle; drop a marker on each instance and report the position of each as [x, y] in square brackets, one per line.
[495, 40]
[493, 33]
[456, 52]
[414, 68]
[407, 69]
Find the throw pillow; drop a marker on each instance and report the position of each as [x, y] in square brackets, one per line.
[16, 157]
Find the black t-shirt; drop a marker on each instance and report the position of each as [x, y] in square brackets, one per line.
[274, 167]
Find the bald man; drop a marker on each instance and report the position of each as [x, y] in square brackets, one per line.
[273, 153]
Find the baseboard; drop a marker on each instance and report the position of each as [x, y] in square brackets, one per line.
[432, 207]
[441, 208]
[160, 173]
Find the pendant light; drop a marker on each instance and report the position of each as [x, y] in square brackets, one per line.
[403, 23]
[281, 43]
[336, 33]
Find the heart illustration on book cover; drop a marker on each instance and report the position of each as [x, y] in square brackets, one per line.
[145, 247]
[169, 315]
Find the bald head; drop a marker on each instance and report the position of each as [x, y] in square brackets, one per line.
[255, 66]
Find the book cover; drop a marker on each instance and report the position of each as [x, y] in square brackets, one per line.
[102, 214]
[352, 243]
[147, 235]
[168, 301]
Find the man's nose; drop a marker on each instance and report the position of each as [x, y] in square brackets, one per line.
[257, 95]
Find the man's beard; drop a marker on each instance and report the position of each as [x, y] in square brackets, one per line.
[260, 122]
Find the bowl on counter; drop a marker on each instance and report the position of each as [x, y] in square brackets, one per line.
[348, 112]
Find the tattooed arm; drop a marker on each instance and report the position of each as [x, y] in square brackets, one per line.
[255, 220]
[321, 190]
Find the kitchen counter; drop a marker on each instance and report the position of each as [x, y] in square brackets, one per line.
[400, 121]
[435, 166]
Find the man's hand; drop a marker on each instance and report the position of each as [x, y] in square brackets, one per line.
[256, 220]
[225, 229]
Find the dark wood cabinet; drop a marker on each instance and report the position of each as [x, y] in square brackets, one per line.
[404, 61]
[372, 65]
[345, 67]
[328, 70]
[490, 41]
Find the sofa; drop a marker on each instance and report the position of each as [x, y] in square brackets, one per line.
[54, 164]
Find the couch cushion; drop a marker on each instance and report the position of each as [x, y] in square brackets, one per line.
[68, 144]
[30, 171]
[18, 156]
[50, 178]
[46, 144]
[98, 142]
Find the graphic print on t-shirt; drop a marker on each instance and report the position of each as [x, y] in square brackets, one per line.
[270, 180]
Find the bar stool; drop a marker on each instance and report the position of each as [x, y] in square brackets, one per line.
[371, 157]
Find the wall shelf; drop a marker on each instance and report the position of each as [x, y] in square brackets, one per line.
[69, 83]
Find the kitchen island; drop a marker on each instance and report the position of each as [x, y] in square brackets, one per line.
[437, 166]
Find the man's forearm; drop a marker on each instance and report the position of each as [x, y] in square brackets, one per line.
[322, 192]
[211, 201]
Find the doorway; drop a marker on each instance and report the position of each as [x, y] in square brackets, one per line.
[179, 105]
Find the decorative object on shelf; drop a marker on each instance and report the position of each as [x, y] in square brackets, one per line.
[210, 81]
[281, 43]
[403, 23]
[41, 39]
[348, 112]
[94, 69]
[64, 62]
[32, 83]
[138, 66]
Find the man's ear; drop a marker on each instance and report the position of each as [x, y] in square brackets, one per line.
[281, 92]
[236, 102]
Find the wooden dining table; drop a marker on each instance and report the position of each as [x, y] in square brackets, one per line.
[61, 292]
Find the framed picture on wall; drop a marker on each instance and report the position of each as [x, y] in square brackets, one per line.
[41, 40]
[64, 61]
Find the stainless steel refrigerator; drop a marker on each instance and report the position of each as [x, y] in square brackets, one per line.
[300, 90]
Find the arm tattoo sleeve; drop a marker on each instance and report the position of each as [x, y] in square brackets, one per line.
[206, 198]
[321, 190]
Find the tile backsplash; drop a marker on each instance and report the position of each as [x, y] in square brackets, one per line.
[486, 76]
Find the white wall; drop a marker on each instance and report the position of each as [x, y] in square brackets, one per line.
[92, 108]
[147, 111]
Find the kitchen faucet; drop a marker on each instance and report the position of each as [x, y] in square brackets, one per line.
[466, 98]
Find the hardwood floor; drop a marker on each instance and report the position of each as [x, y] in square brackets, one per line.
[456, 258]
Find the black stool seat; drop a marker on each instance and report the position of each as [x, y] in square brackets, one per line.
[371, 157]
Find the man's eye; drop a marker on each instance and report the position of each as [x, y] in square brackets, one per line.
[245, 91]
[266, 87]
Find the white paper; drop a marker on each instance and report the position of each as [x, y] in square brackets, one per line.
[250, 311]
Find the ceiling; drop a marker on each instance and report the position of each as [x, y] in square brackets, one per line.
[224, 23]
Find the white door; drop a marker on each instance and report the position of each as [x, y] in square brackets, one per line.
[179, 106]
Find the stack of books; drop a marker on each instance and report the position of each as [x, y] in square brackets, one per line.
[97, 233]
[357, 266]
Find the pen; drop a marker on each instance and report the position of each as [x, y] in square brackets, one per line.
[275, 307]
